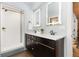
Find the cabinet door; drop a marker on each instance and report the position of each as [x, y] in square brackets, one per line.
[42, 51]
[30, 42]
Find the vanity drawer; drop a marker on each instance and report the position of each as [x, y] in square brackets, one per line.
[48, 42]
[42, 51]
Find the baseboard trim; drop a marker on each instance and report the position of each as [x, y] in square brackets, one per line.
[10, 53]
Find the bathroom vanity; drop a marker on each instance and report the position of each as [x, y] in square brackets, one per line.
[42, 45]
[46, 45]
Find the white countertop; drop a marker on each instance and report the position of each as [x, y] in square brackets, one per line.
[52, 37]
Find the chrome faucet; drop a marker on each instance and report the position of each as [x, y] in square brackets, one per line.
[52, 33]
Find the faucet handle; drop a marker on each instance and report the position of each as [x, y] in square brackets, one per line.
[52, 33]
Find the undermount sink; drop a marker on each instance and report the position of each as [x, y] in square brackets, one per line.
[44, 34]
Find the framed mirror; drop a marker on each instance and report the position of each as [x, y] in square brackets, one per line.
[37, 17]
[53, 13]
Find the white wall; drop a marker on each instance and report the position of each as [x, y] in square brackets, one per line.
[67, 15]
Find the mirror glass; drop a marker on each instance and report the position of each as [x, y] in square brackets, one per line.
[53, 13]
[37, 18]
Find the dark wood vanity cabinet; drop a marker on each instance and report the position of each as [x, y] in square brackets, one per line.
[42, 47]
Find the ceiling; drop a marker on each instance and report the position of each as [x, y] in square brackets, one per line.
[34, 5]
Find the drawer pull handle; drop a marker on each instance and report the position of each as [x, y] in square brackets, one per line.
[45, 45]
